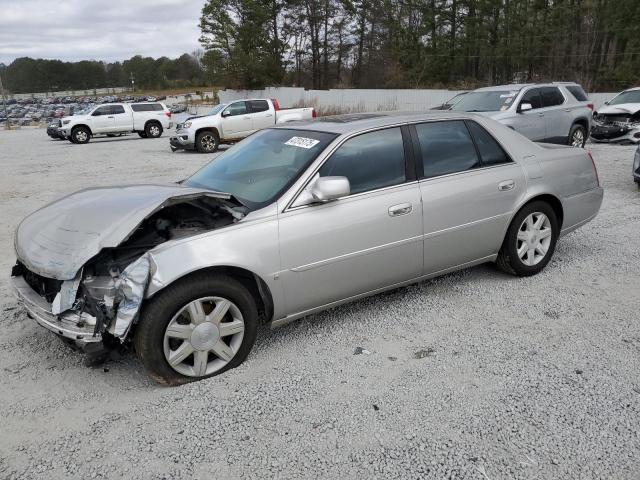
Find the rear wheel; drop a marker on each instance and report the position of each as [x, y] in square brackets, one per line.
[198, 328]
[153, 130]
[530, 240]
[577, 136]
[207, 142]
[80, 135]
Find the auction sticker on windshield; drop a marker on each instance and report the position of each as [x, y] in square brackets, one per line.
[302, 142]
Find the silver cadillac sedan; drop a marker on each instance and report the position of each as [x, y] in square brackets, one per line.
[293, 220]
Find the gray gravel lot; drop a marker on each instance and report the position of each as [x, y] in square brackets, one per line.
[474, 375]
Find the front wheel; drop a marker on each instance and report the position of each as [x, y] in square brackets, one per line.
[530, 240]
[198, 328]
[80, 135]
[577, 136]
[207, 142]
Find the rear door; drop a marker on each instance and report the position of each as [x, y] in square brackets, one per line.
[123, 119]
[261, 115]
[531, 123]
[236, 120]
[558, 117]
[469, 187]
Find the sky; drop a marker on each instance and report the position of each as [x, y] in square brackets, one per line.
[107, 30]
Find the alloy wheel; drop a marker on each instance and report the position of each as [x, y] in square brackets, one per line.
[577, 140]
[204, 336]
[208, 143]
[81, 136]
[154, 130]
[534, 238]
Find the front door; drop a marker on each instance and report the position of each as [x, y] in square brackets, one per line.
[531, 123]
[236, 120]
[469, 190]
[359, 243]
[101, 120]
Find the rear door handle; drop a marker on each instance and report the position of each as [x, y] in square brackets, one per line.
[247, 118]
[401, 209]
[506, 185]
[268, 115]
[540, 114]
[109, 117]
[567, 109]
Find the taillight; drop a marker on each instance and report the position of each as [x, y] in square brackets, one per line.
[313, 113]
[595, 170]
[168, 114]
[276, 105]
[590, 106]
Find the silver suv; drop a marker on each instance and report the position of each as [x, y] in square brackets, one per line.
[545, 112]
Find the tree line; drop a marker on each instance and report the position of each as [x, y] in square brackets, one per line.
[26, 75]
[421, 43]
[324, 44]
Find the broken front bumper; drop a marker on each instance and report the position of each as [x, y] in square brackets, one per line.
[615, 133]
[69, 325]
[182, 139]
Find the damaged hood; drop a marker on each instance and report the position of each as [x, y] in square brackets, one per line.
[622, 109]
[57, 240]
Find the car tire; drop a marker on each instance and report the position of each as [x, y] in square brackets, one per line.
[527, 248]
[80, 135]
[153, 130]
[207, 142]
[577, 136]
[142, 134]
[160, 335]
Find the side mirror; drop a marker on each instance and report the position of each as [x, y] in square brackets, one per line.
[325, 189]
[97, 113]
[524, 107]
[607, 102]
[226, 113]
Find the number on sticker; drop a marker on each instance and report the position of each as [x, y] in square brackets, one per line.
[302, 142]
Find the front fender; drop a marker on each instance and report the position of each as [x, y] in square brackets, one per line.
[250, 244]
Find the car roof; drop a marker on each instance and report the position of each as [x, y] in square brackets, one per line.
[355, 122]
[520, 86]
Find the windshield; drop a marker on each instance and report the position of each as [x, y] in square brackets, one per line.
[261, 167]
[486, 101]
[216, 109]
[631, 96]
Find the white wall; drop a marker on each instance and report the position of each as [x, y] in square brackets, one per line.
[360, 100]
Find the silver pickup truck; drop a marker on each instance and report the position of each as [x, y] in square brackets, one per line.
[228, 123]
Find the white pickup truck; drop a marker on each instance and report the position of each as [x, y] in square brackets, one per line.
[232, 122]
[146, 119]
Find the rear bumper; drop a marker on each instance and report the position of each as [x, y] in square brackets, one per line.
[70, 325]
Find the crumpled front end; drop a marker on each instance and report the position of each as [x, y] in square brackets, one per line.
[84, 262]
[616, 126]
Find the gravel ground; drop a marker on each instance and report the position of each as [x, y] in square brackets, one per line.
[474, 375]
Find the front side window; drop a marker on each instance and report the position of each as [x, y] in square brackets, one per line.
[491, 153]
[533, 97]
[237, 108]
[370, 161]
[446, 147]
[551, 97]
[258, 169]
[101, 111]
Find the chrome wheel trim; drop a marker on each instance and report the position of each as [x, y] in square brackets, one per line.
[204, 336]
[208, 142]
[154, 130]
[81, 135]
[577, 140]
[534, 239]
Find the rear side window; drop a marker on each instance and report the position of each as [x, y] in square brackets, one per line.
[533, 97]
[146, 107]
[551, 96]
[578, 93]
[370, 161]
[491, 153]
[116, 109]
[446, 148]
[258, 106]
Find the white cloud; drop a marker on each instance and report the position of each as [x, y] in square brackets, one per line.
[98, 29]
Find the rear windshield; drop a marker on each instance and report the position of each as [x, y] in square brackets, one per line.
[486, 101]
[578, 93]
[630, 96]
[146, 107]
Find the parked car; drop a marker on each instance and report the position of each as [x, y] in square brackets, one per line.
[546, 112]
[619, 120]
[232, 122]
[146, 119]
[178, 108]
[293, 220]
[636, 167]
[451, 102]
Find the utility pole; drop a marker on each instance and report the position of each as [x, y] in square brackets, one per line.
[4, 103]
[133, 81]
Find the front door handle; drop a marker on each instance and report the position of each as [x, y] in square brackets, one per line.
[506, 185]
[109, 117]
[540, 114]
[401, 209]
[247, 118]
